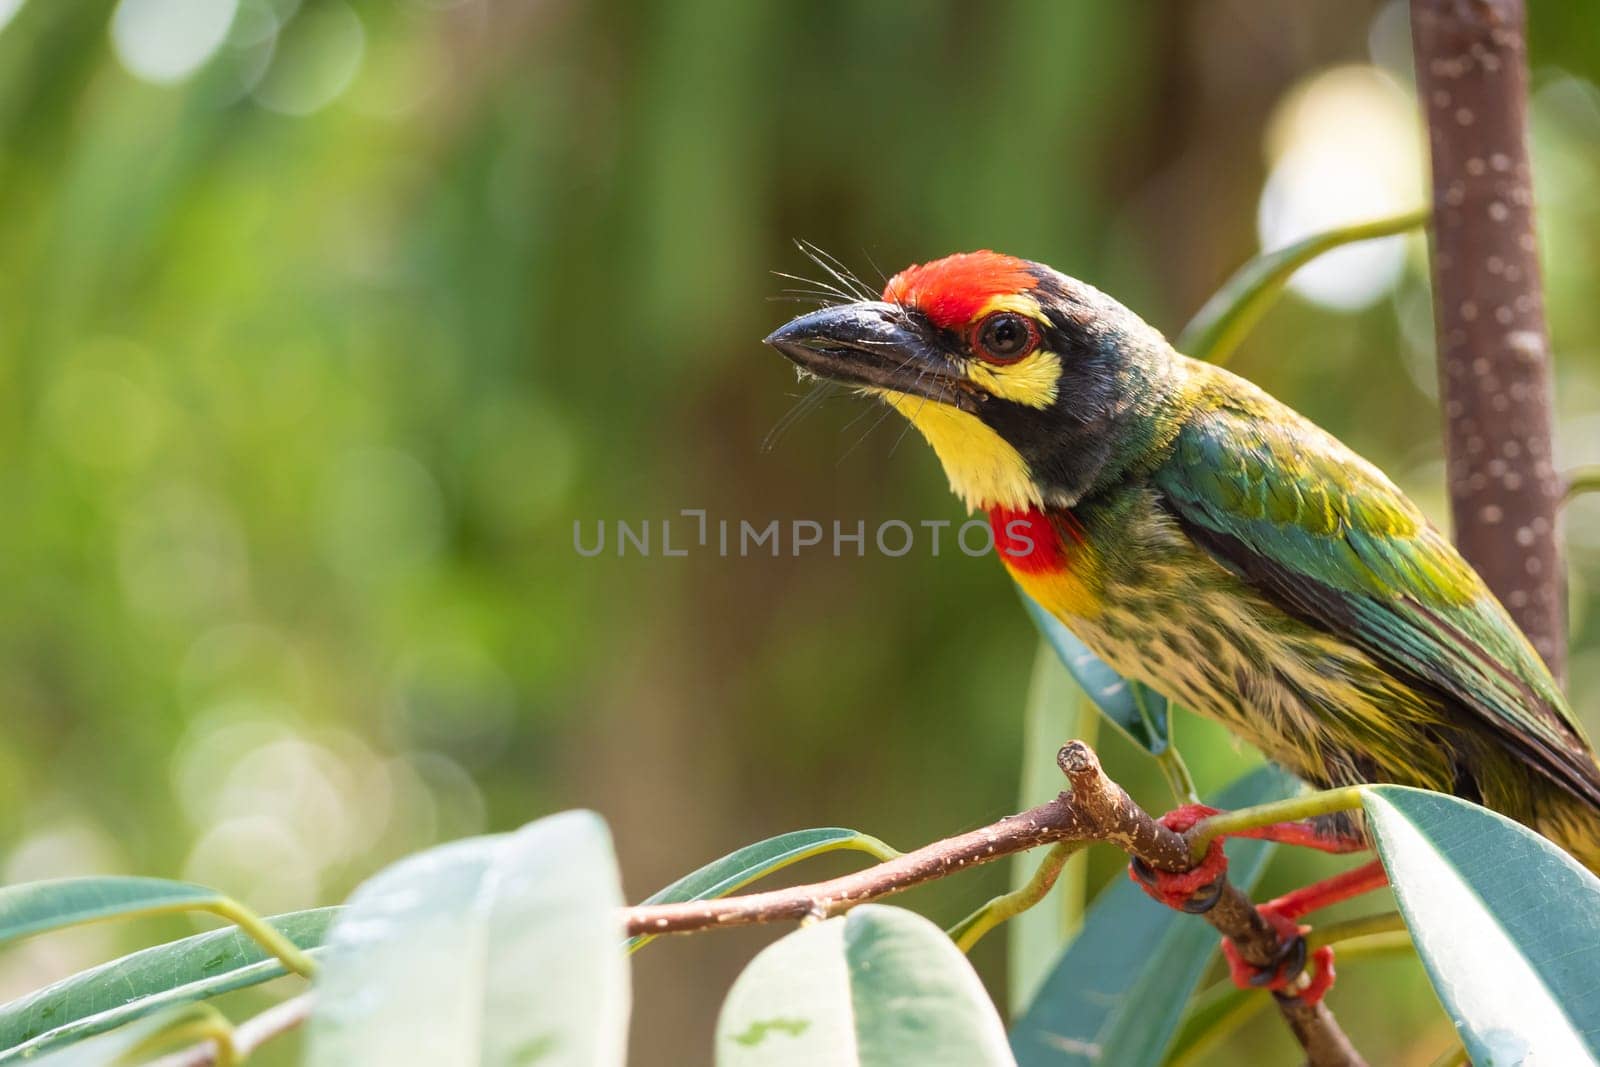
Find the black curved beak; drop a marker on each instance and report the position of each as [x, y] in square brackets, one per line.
[874, 345]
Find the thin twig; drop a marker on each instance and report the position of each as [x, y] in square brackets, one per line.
[248, 1035]
[1096, 809]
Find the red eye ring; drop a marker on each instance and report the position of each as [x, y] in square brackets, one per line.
[1004, 337]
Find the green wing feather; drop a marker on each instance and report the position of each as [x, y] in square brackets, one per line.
[1325, 535]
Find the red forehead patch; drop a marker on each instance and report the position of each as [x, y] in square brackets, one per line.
[951, 291]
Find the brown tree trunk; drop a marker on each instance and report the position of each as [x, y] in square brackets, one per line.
[1494, 348]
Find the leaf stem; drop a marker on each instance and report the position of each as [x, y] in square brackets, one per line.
[254, 926]
[1222, 323]
[1583, 480]
[1302, 807]
[970, 930]
[262, 932]
[1177, 774]
[1368, 926]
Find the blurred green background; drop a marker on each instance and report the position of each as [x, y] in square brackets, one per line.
[322, 323]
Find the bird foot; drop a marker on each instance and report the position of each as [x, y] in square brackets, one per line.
[1295, 970]
[1196, 890]
[1291, 973]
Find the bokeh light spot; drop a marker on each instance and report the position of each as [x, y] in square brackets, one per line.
[213, 742]
[59, 848]
[257, 858]
[165, 41]
[8, 9]
[1345, 147]
[318, 56]
[65, 849]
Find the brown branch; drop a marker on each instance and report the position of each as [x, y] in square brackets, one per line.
[1096, 809]
[1494, 348]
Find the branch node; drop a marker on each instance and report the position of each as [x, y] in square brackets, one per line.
[1077, 760]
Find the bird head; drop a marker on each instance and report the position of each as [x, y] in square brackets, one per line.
[1033, 388]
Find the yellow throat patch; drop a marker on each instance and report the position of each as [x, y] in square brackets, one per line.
[984, 470]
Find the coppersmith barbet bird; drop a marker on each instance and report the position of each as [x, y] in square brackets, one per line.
[1203, 538]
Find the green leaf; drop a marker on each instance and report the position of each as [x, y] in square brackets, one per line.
[1034, 938]
[738, 869]
[1211, 1016]
[1218, 327]
[1507, 925]
[880, 986]
[1132, 707]
[1117, 994]
[500, 951]
[37, 907]
[115, 993]
[181, 1024]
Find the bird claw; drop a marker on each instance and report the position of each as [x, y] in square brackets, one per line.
[1194, 891]
[1197, 890]
[1204, 899]
[1295, 971]
[1286, 965]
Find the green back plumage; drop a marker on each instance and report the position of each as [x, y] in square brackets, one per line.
[1332, 541]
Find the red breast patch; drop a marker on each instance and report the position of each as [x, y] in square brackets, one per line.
[951, 291]
[1033, 541]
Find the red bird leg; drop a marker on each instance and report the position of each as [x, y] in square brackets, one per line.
[1319, 836]
[1292, 973]
[1329, 891]
[1198, 889]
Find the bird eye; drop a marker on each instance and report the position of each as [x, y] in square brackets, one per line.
[1005, 337]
